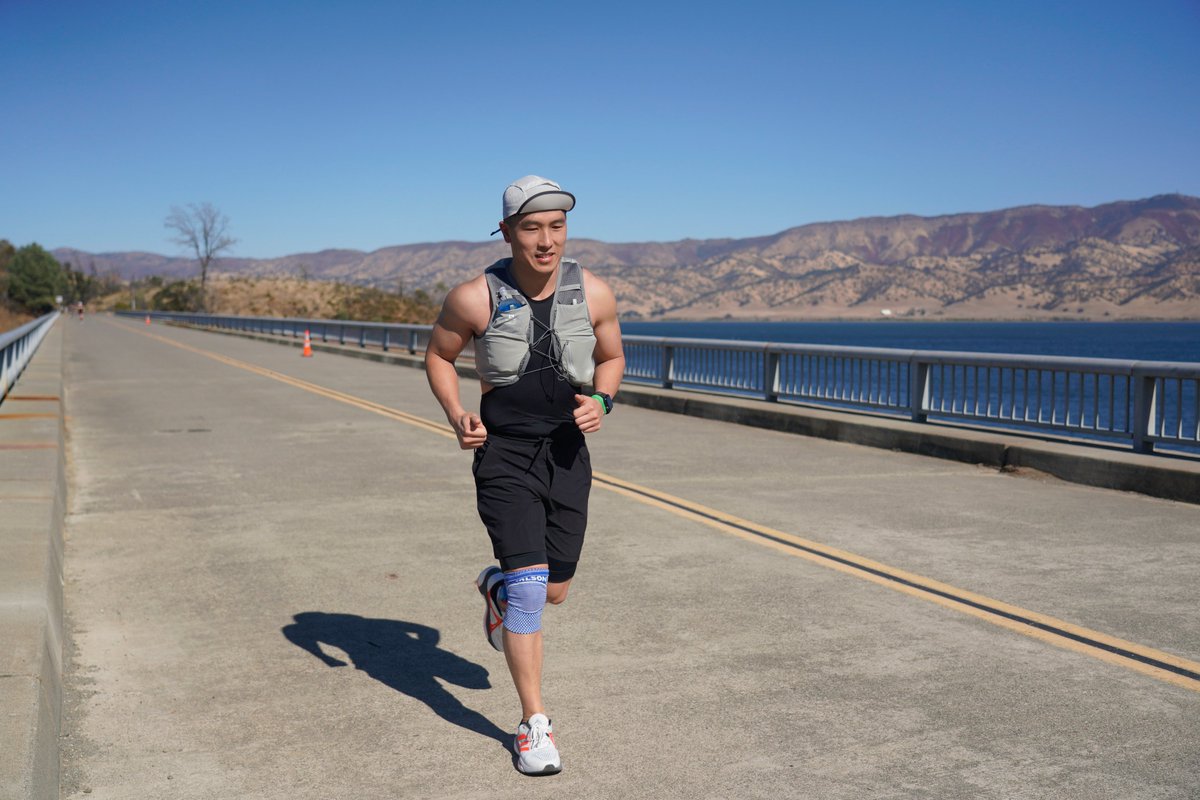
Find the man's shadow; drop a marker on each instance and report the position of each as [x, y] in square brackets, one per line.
[402, 655]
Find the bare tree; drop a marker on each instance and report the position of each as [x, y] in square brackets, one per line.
[203, 231]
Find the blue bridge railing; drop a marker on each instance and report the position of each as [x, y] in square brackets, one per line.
[1141, 403]
[17, 348]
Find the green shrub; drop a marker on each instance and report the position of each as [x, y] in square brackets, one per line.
[35, 278]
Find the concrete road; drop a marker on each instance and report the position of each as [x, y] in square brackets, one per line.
[269, 566]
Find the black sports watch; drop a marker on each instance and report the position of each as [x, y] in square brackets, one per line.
[605, 401]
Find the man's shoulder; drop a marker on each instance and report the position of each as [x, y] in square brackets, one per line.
[469, 297]
[591, 279]
[472, 286]
[602, 303]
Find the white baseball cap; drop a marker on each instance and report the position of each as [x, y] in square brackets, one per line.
[534, 193]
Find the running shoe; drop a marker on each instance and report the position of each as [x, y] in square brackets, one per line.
[536, 752]
[490, 584]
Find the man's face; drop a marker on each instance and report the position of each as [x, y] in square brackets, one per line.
[537, 240]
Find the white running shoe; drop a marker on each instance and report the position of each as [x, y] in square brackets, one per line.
[536, 752]
[490, 584]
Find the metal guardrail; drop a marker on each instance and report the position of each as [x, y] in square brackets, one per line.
[387, 336]
[17, 348]
[1143, 403]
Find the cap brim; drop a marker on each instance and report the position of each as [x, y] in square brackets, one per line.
[547, 201]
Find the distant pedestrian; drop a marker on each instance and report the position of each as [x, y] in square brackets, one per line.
[544, 329]
[79, 309]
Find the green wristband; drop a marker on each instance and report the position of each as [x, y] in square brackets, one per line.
[603, 405]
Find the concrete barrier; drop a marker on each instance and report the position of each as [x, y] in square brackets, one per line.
[32, 513]
[1102, 465]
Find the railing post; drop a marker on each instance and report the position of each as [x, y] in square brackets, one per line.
[918, 389]
[362, 337]
[342, 333]
[771, 375]
[668, 366]
[385, 339]
[412, 342]
[1145, 407]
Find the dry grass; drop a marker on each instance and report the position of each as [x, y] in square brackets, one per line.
[293, 297]
[13, 319]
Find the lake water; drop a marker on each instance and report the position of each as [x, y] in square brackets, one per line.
[1147, 341]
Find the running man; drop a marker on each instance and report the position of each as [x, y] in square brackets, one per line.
[549, 357]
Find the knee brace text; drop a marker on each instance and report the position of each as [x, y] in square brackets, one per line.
[526, 590]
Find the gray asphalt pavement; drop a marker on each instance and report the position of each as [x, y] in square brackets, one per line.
[269, 594]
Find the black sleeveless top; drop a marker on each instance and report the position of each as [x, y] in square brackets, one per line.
[542, 401]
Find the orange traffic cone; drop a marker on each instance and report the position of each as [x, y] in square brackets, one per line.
[307, 345]
[147, 319]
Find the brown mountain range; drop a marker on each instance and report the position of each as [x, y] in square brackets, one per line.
[1120, 260]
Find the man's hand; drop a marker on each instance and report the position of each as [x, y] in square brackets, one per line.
[470, 431]
[588, 412]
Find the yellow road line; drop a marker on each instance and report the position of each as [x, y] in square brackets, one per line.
[1146, 660]
[332, 394]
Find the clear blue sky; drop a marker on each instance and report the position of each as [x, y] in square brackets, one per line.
[317, 125]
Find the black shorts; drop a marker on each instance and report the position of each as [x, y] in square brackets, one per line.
[532, 496]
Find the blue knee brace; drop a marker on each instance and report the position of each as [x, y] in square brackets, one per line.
[526, 599]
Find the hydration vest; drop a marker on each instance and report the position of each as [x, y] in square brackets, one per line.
[502, 351]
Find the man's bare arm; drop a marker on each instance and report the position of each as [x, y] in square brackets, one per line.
[609, 354]
[454, 328]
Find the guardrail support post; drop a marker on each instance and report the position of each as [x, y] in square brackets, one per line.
[412, 342]
[668, 366]
[771, 376]
[918, 390]
[385, 340]
[1145, 402]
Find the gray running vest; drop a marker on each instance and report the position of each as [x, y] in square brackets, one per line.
[502, 351]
